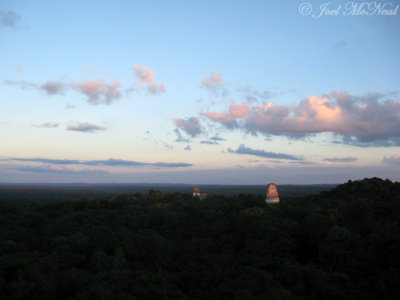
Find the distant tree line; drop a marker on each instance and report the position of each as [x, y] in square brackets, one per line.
[56, 192]
[340, 244]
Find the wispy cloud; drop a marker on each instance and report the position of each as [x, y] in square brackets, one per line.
[179, 137]
[217, 138]
[188, 148]
[70, 106]
[22, 84]
[146, 80]
[168, 146]
[19, 69]
[339, 44]
[109, 162]
[209, 142]
[85, 127]
[47, 125]
[50, 87]
[54, 169]
[253, 95]
[215, 84]
[340, 159]
[370, 120]
[242, 149]
[191, 126]
[9, 19]
[392, 160]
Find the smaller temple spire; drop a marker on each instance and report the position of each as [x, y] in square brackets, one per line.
[196, 192]
[272, 194]
[198, 195]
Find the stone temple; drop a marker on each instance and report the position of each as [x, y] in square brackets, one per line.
[198, 195]
[196, 192]
[272, 194]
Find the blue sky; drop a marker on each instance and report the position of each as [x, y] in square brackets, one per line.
[230, 92]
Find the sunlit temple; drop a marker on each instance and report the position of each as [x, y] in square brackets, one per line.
[272, 194]
[198, 195]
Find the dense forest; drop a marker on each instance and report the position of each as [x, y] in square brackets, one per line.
[338, 244]
[56, 192]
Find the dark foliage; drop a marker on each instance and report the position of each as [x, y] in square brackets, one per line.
[341, 244]
[56, 192]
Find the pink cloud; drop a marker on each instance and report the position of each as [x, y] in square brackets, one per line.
[98, 91]
[224, 118]
[214, 81]
[146, 80]
[357, 120]
[238, 110]
[215, 84]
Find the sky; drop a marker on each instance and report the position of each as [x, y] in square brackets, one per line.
[199, 92]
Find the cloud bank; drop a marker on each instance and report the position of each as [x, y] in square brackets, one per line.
[370, 120]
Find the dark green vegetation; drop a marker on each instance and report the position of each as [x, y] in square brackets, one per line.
[56, 192]
[341, 244]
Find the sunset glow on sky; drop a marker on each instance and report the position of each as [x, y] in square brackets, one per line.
[213, 92]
